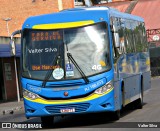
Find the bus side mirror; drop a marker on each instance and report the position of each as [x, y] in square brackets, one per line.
[116, 39]
[12, 43]
[12, 47]
[115, 35]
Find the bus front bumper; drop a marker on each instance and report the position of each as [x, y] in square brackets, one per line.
[93, 103]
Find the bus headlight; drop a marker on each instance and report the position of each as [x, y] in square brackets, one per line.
[29, 94]
[108, 86]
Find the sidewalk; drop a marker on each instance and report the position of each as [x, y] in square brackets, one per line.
[11, 107]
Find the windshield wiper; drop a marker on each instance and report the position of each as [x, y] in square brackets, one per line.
[69, 55]
[49, 73]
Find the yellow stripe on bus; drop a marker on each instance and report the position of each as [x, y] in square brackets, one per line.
[88, 98]
[63, 25]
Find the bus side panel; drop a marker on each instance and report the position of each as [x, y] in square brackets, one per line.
[132, 88]
[117, 95]
[146, 80]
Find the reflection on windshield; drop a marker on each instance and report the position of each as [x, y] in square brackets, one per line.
[95, 37]
[88, 45]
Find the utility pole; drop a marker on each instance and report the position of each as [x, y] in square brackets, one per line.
[60, 5]
[15, 64]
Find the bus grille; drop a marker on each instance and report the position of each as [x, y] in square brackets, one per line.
[78, 107]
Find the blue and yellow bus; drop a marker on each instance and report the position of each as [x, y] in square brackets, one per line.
[83, 60]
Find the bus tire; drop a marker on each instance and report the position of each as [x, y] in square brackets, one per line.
[139, 102]
[116, 115]
[47, 121]
[122, 98]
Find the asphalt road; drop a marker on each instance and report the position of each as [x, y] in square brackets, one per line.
[101, 121]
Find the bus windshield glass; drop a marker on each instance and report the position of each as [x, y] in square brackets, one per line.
[46, 52]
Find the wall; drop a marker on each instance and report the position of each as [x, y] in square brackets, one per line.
[19, 10]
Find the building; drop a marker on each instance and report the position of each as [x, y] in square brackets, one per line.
[13, 14]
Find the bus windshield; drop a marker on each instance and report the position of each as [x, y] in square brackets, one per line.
[47, 51]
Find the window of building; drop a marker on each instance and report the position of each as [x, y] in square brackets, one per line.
[79, 2]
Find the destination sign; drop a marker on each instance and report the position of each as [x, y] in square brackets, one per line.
[46, 35]
[43, 46]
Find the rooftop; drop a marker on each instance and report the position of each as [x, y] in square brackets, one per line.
[150, 11]
[147, 9]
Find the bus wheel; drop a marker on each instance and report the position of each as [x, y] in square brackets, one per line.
[116, 115]
[139, 102]
[47, 121]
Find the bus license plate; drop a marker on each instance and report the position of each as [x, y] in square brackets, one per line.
[67, 110]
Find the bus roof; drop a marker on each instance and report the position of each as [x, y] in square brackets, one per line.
[78, 14]
[110, 10]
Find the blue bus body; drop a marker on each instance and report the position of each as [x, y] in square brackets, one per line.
[81, 96]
